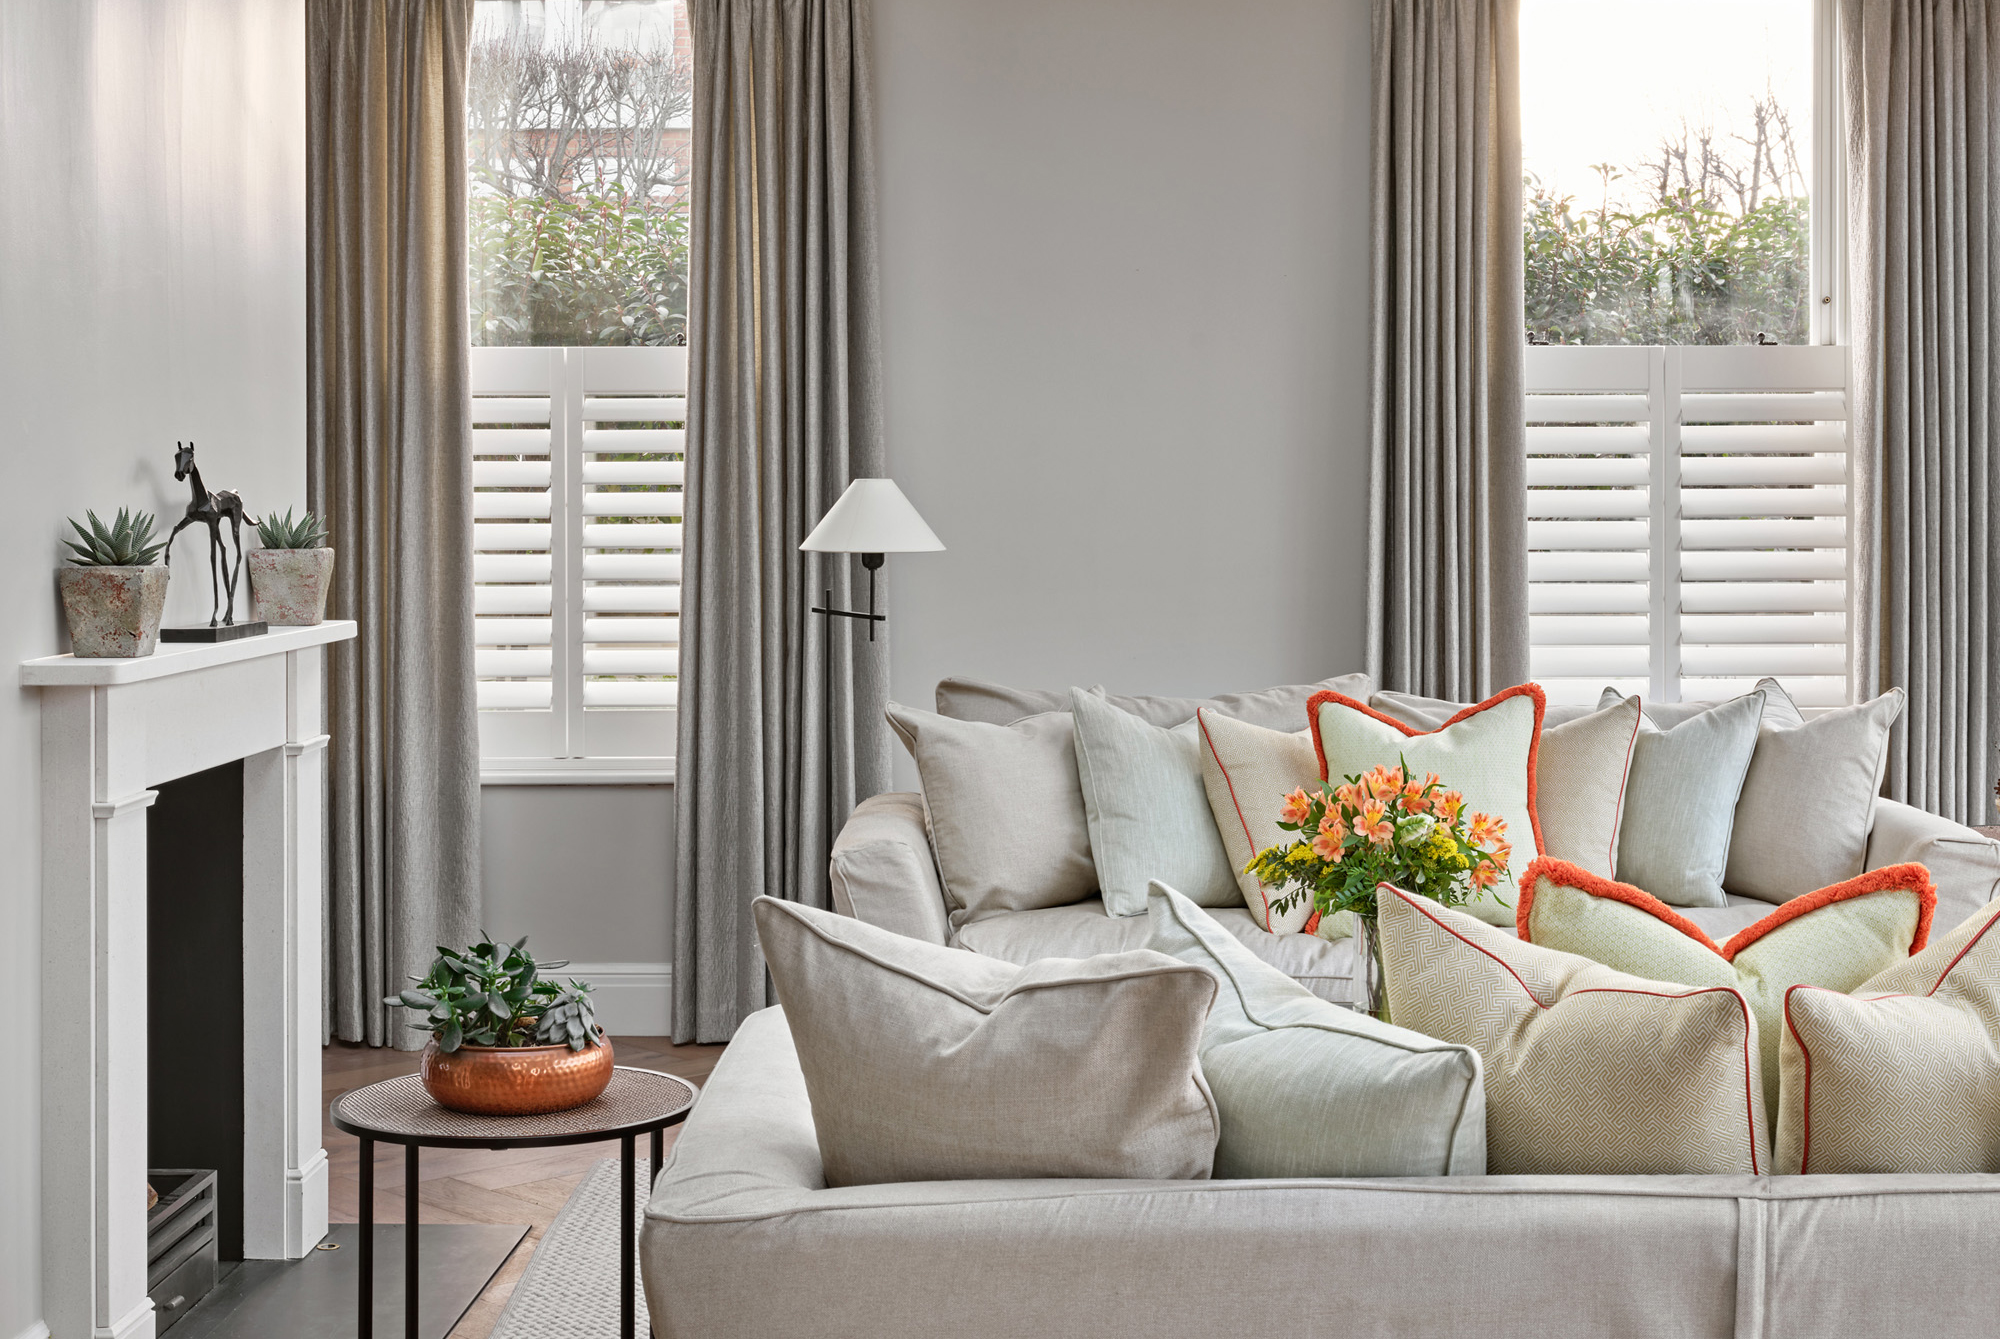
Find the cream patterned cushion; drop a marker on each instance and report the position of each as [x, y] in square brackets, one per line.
[1902, 1074]
[1307, 1088]
[926, 1063]
[1247, 772]
[1004, 809]
[1588, 1070]
[1836, 937]
[1486, 752]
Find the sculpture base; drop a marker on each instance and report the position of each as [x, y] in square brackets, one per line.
[222, 632]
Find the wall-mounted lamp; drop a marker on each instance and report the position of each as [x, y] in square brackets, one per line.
[871, 518]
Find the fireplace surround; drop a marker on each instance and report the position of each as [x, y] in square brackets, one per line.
[112, 732]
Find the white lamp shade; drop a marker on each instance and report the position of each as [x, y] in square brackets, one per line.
[872, 516]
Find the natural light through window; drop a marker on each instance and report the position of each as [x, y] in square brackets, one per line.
[1667, 146]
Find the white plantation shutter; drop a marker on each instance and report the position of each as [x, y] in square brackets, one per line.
[1687, 524]
[577, 474]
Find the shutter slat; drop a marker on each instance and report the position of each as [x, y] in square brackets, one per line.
[492, 535]
[1590, 503]
[632, 629]
[631, 567]
[1748, 629]
[1585, 661]
[632, 599]
[1588, 472]
[1823, 533]
[1711, 502]
[632, 504]
[497, 506]
[1808, 407]
[631, 536]
[631, 660]
[647, 409]
[663, 472]
[1587, 534]
[510, 441]
[501, 695]
[510, 600]
[1824, 565]
[511, 567]
[510, 664]
[1756, 471]
[510, 474]
[1587, 409]
[1588, 566]
[1762, 597]
[509, 409]
[1599, 440]
[1805, 690]
[659, 441]
[1600, 630]
[630, 692]
[511, 631]
[1587, 597]
[1760, 439]
[1762, 660]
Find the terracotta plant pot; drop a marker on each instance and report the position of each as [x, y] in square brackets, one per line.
[516, 1080]
[113, 611]
[288, 586]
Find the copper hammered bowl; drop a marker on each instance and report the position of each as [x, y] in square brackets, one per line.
[516, 1080]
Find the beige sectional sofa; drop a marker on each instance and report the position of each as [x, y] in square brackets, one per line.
[743, 1237]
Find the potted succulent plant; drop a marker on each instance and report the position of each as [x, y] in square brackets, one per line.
[113, 592]
[505, 1041]
[291, 574]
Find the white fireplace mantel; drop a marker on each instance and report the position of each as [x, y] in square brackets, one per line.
[111, 731]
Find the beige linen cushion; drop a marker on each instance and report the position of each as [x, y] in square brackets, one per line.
[1247, 772]
[1802, 820]
[1307, 1088]
[1588, 1070]
[1004, 809]
[1282, 708]
[926, 1063]
[1147, 809]
[1487, 753]
[1580, 782]
[1902, 1075]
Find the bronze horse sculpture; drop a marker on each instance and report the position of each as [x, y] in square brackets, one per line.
[210, 509]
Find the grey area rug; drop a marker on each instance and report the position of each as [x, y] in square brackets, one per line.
[570, 1288]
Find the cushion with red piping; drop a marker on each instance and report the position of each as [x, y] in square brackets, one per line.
[1247, 772]
[1837, 937]
[1486, 753]
[1902, 1074]
[1588, 1069]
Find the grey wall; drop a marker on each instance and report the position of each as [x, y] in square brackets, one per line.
[586, 872]
[154, 287]
[1125, 284]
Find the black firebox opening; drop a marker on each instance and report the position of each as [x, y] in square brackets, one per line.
[194, 989]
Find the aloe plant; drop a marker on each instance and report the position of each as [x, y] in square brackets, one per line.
[126, 542]
[494, 995]
[282, 532]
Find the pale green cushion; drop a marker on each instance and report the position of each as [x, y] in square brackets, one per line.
[1307, 1088]
[1680, 805]
[1147, 809]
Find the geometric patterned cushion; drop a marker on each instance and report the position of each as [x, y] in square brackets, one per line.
[1835, 938]
[1903, 1074]
[1588, 1069]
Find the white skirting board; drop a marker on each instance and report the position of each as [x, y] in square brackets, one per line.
[634, 999]
[36, 1331]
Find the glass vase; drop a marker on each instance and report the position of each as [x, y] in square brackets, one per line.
[1364, 983]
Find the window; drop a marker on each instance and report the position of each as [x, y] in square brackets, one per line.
[578, 137]
[1686, 420]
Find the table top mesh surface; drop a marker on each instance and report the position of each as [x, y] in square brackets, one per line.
[401, 1109]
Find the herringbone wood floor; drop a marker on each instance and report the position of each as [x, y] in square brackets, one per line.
[474, 1185]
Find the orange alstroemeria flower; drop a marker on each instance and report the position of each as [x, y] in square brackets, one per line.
[1486, 830]
[1485, 874]
[1327, 845]
[1297, 807]
[1447, 804]
[1414, 799]
[1372, 823]
[1384, 782]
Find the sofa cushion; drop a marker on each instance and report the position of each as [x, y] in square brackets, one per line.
[1307, 1088]
[1004, 809]
[1148, 812]
[1282, 708]
[1486, 753]
[1430, 713]
[1836, 938]
[1580, 785]
[1078, 931]
[1964, 865]
[1587, 1069]
[1903, 1073]
[1247, 771]
[927, 1063]
[1680, 803]
[1802, 819]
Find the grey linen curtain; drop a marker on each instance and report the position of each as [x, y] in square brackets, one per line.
[1924, 189]
[1447, 571]
[388, 465]
[780, 735]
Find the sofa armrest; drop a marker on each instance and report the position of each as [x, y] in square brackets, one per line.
[1964, 865]
[883, 872]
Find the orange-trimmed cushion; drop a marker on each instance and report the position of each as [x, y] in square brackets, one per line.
[1836, 937]
[1588, 1069]
[1486, 753]
[1902, 1074]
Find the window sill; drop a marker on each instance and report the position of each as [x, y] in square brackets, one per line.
[588, 772]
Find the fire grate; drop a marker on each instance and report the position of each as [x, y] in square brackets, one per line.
[180, 1243]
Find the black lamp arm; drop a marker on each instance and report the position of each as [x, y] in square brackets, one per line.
[873, 562]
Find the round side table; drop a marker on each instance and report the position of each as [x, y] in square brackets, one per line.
[399, 1111]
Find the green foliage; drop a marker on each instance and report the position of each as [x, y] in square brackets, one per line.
[1685, 272]
[282, 532]
[127, 542]
[604, 268]
[494, 995]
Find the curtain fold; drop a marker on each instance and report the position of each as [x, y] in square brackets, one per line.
[388, 466]
[780, 719]
[1924, 255]
[1447, 572]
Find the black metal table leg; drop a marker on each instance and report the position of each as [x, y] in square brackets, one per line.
[364, 1324]
[627, 1245]
[659, 1151]
[409, 1241]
